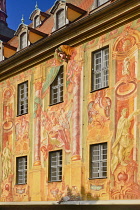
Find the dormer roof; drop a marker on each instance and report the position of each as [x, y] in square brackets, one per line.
[33, 14]
[38, 11]
[21, 27]
[55, 6]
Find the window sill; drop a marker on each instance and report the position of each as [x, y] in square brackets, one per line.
[100, 6]
[21, 114]
[97, 178]
[20, 184]
[99, 89]
[54, 181]
[56, 103]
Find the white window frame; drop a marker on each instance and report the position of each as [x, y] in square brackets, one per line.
[98, 161]
[21, 170]
[56, 88]
[100, 71]
[23, 98]
[55, 166]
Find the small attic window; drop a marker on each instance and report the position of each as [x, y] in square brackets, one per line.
[36, 21]
[60, 18]
[100, 2]
[23, 40]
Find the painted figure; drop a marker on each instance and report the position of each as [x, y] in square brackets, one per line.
[125, 70]
[99, 109]
[123, 142]
[6, 159]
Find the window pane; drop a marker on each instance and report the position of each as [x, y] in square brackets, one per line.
[36, 21]
[100, 2]
[23, 40]
[100, 61]
[57, 88]
[55, 166]
[60, 18]
[23, 98]
[21, 168]
[98, 166]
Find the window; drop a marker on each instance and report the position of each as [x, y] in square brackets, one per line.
[100, 2]
[23, 40]
[100, 69]
[23, 98]
[60, 18]
[55, 164]
[21, 170]
[36, 21]
[98, 161]
[56, 88]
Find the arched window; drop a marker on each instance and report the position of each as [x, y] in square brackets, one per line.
[36, 21]
[60, 18]
[23, 40]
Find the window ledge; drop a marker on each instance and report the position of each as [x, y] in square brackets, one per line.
[97, 178]
[56, 103]
[100, 6]
[21, 114]
[17, 185]
[54, 181]
[99, 89]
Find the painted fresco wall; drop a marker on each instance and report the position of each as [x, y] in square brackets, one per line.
[114, 115]
[110, 115]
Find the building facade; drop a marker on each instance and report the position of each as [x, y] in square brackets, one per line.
[70, 109]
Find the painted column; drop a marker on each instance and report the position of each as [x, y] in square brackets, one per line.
[76, 118]
[37, 115]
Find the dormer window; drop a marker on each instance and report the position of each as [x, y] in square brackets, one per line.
[23, 40]
[100, 2]
[37, 17]
[65, 13]
[23, 35]
[60, 18]
[36, 21]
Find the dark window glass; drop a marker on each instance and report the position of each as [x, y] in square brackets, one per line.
[56, 88]
[21, 170]
[55, 166]
[23, 98]
[100, 60]
[98, 161]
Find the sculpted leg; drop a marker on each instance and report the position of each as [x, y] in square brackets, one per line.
[121, 156]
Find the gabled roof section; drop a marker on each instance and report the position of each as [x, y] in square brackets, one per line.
[75, 8]
[6, 44]
[44, 14]
[37, 32]
[85, 5]
[8, 50]
[14, 41]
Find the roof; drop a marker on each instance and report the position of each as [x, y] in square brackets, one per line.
[84, 7]
[5, 32]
